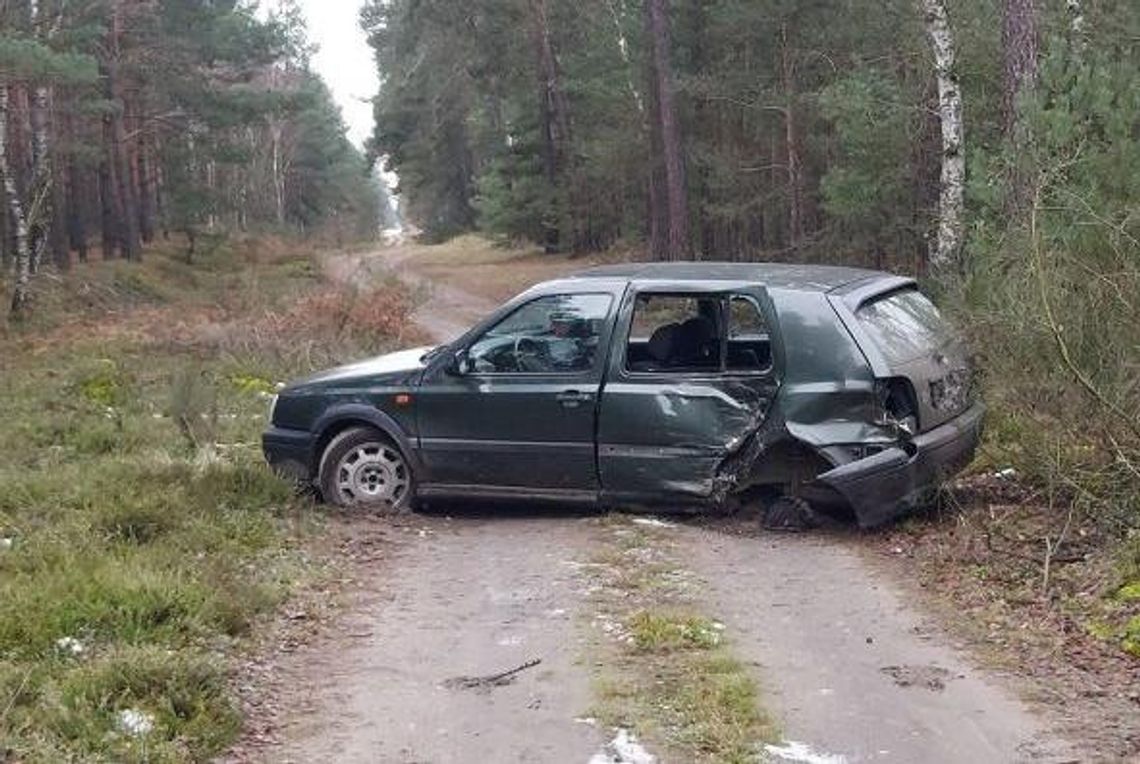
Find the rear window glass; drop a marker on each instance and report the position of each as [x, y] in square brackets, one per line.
[905, 325]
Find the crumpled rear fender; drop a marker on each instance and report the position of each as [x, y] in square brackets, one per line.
[885, 485]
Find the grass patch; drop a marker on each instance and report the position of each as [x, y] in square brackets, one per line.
[141, 536]
[665, 671]
[664, 633]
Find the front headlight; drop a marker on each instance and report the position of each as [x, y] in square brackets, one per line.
[272, 407]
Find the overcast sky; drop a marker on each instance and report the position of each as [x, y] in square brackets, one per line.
[343, 59]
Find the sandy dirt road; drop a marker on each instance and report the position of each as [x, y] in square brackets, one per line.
[464, 598]
[851, 672]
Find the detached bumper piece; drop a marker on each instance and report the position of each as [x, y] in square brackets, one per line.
[887, 485]
[289, 452]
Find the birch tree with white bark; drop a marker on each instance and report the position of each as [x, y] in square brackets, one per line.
[23, 258]
[945, 250]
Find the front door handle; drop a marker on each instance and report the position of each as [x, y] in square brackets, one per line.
[572, 398]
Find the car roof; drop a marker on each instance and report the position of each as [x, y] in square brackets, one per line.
[794, 277]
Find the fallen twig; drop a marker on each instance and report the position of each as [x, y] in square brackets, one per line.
[491, 680]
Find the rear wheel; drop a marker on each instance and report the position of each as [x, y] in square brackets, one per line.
[789, 513]
[363, 469]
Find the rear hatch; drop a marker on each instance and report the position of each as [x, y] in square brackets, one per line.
[905, 336]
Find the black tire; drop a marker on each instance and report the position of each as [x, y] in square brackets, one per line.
[789, 513]
[362, 469]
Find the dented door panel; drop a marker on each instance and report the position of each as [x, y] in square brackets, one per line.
[668, 436]
[675, 434]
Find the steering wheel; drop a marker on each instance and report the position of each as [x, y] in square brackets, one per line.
[531, 355]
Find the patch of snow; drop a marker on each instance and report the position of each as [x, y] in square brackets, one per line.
[623, 749]
[70, 645]
[135, 723]
[653, 522]
[6, 542]
[802, 753]
[1006, 474]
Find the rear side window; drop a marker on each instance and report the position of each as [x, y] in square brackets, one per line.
[674, 332]
[905, 325]
[697, 334]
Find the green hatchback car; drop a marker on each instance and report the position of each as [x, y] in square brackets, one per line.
[668, 385]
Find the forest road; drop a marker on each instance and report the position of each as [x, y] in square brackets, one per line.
[849, 669]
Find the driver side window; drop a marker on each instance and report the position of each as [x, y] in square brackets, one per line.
[552, 334]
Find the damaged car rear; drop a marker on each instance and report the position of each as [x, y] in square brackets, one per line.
[678, 385]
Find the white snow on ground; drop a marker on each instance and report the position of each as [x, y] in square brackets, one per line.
[802, 753]
[623, 749]
[135, 723]
[70, 645]
[653, 522]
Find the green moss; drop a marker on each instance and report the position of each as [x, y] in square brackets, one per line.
[1129, 592]
[1130, 640]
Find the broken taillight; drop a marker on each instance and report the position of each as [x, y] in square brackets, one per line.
[897, 407]
[952, 392]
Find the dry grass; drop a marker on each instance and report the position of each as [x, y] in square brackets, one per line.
[498, 272]
[142, 539]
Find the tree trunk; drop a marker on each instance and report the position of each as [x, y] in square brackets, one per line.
[555, 121]
[791, 146]
[1019, 75]
[1019, 57]
[145, 167]
[675, 244]
[124, 188]
[275, 131]
[61, 252]
[76, 209]
[108, 216]
[39, 193]
[19, 221]
[623, 48]
[945, 250]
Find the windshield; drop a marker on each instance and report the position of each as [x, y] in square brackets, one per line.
[905, 325]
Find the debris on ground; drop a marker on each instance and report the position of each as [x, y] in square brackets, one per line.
[623, 749]
[930, 677]
[653, 522]
[486, 683]
[802, 753]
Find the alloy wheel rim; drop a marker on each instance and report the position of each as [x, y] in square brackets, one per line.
[372, 473]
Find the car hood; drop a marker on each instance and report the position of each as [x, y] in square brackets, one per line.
[388, 366]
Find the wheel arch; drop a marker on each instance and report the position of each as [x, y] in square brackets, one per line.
[336, 420]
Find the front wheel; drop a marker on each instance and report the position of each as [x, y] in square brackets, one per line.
[362, 469]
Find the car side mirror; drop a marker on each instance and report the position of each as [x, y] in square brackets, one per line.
[461, 364]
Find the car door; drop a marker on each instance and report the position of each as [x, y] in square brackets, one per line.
[674, 411]
[517, 410]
